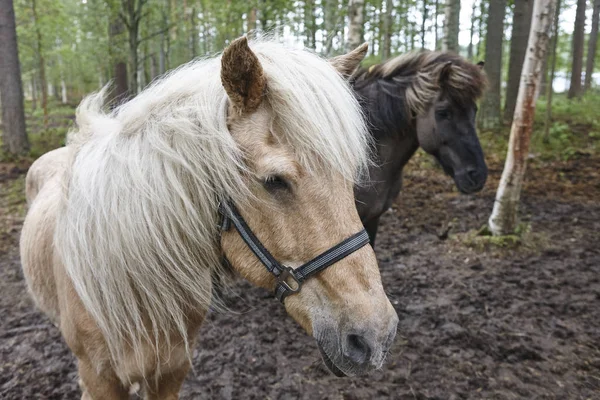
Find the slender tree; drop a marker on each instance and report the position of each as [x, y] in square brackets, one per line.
[387, 31]
[592, 45]
[577, 48]
[518, 48]
[14, 137]
[472, 32]
[423, 23]
[41, 61]
[489, 115]
[451, 25]
[549, 88]
[504, 219]
[121, 88]
[355, 26]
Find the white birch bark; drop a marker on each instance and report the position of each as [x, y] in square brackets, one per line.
[355, 24]
[503, 220]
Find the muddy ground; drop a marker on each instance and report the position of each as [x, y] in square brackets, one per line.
[477, 321]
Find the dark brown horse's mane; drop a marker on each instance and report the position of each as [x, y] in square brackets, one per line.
[405, 86]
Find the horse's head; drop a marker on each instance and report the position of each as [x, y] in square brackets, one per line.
[300, 206]
[447, 127]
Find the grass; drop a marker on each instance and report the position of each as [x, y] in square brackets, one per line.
[574, 130]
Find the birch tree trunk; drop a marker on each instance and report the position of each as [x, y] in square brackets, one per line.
[451, 25]
[355, 25]
[592, 45]
[503, 220]
[14, 136]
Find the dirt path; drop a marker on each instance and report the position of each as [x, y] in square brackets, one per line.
[502, 324]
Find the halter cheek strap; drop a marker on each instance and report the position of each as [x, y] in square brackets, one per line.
[289, 280]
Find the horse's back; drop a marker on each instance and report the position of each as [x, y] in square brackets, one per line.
[43, 191]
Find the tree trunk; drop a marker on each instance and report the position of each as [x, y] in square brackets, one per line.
[423, 21]
[503, 220]
[451, 26]
[481, 27]
[435, 25]
[14, 136]
[355, 15]
[194, 34]
[518, 48]
[472, 32]
[578, 40]
[310, 25]
[387, 31]
[119, 65]
[549, 87]
[592, 44]
[33, 92]
[40, 54]
[489, 115]
[252, 22]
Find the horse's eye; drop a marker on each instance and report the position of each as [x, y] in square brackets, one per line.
[275, 183]
[443, 114]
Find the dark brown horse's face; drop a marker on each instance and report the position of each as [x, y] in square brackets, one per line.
[447, 131]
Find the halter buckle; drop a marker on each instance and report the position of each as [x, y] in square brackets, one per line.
[287, 278]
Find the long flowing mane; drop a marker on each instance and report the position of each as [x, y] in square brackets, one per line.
[405, 86]
[137, 230]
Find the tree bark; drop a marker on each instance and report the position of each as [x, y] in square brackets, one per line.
[355, 26]
[592, 45]
[503, 220]
[549, 87]
[435, 25]
[481, 27]
[252, 22]
[518, 48]
[423, 21]
[14, 136]
[387, 31]
[472, 32]
[33, 92]
[119, 65]
[310, 25]
[578, 40]
[40, 54]
[489, 115]
[451, 26]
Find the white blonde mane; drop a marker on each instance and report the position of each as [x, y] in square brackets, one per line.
[137, 232]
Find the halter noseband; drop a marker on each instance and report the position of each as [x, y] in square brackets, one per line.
[289, 280]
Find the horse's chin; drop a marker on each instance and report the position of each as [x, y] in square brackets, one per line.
[330, 365]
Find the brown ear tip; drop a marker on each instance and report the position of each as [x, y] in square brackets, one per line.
[363, 47]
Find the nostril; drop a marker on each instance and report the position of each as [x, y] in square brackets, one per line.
[473, 174]
[358, 349]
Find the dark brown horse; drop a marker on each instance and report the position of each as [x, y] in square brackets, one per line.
[425, 99]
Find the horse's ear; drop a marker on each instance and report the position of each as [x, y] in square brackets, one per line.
[242, 76]
[481, 64]
[348, 63]
[445, 73]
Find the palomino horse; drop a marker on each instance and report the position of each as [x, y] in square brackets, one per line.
[422, 99]
[122, 238]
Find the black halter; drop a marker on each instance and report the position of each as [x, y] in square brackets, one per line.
[289, 280]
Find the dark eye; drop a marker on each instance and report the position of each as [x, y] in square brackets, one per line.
[275, 183]
[443, 114]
